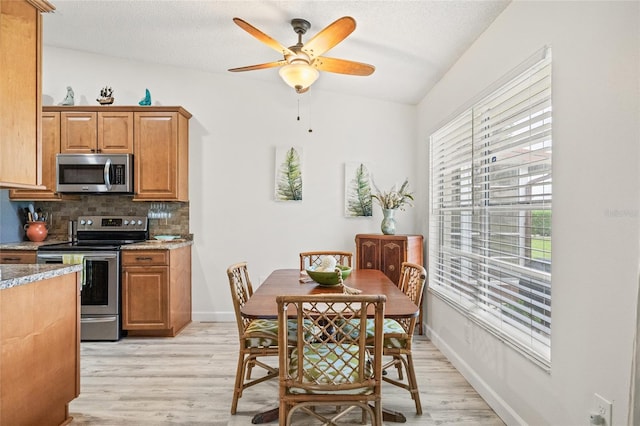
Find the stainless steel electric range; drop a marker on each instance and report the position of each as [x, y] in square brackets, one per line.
[99, 241]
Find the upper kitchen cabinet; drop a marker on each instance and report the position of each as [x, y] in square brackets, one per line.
[50, 147]
[161, 154]
[103, 132]
[21, 92]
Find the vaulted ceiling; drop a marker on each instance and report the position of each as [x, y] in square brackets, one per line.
[412, 44]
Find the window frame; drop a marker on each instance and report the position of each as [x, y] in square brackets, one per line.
[490, 174]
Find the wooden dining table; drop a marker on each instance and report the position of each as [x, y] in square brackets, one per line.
[262, 304]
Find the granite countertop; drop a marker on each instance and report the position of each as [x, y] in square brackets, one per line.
[158, 245]
[28, 245]
[15, 275]
[145, 245]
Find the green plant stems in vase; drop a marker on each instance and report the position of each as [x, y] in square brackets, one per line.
[390, 201]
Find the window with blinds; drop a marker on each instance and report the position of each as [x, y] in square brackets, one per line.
[490, 224]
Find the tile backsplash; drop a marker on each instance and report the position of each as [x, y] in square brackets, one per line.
[172, 220]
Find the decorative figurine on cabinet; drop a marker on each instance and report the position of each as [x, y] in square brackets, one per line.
[69, 99]
[106, 96]
[147, 98]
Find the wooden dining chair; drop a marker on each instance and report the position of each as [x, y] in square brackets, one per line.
[258, 338]
[398, 334]
[325, 366]
[311, 259]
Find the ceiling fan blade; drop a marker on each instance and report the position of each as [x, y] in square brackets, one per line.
[331, 35]
[272, 43]
[259, 66]
[343, 66]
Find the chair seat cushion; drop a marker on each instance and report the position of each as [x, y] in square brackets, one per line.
[265, 333]
[394, 334]
[330, 364]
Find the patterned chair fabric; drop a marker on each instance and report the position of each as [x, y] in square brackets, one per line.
[327, 365]
[257, 338]
[311, 259]
[398, 334]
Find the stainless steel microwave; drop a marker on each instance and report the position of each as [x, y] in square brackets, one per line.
[94, 173]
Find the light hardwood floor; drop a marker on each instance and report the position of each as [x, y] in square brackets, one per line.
[188, 380]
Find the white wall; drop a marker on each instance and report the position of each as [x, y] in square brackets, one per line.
[237, 123]
[596, 136]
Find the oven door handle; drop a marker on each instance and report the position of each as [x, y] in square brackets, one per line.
[98, 319]
[87, 256]
[107, 173]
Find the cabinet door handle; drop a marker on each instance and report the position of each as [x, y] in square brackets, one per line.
[9, 259]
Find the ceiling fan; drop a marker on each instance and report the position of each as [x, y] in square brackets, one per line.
[302, 61]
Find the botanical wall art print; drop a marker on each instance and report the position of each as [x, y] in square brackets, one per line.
[288, 184]
[357, 190]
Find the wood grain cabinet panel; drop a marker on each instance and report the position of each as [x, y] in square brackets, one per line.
[161, 146]
[18, 256]
[103, 132]
[50, 148]
[145, 296]
[21, 92]
[387, 252]
[158, 138]
[156, 291]
[40, 357]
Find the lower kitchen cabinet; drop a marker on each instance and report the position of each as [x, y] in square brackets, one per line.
[18, 256]
[40, 356]
[156, 291]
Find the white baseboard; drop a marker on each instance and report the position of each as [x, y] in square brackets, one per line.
[499, 405]
[213, 316]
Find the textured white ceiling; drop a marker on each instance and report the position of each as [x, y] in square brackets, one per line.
[411, 43]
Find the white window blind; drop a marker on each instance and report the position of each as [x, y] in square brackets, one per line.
[490, 224]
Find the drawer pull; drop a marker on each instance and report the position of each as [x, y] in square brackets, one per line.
[144, 258]
[6, 259]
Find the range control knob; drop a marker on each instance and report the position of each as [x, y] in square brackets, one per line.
[82, 222]
[126, 222]
[89, 222]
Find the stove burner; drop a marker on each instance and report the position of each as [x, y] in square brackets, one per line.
[84, 246]
[100, 233]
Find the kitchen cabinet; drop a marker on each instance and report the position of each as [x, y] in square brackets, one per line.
[387, 252]
[158, 137]
[156, 291]
[50, 148]
[21, 92]
[103, 132]
[18, 256]
[161, 155]
[40, 357]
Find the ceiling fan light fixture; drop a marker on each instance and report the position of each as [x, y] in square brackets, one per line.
[299, 75]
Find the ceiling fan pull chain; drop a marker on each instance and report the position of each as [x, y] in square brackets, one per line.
[309, 115]
[298, 109]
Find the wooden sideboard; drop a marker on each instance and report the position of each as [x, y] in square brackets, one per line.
[387, 252]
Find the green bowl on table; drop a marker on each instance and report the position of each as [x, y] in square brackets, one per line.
[329, 278]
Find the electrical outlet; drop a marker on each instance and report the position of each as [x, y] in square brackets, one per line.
[603, 407]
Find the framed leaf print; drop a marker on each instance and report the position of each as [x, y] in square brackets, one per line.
[357, 190]
[288, 184]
